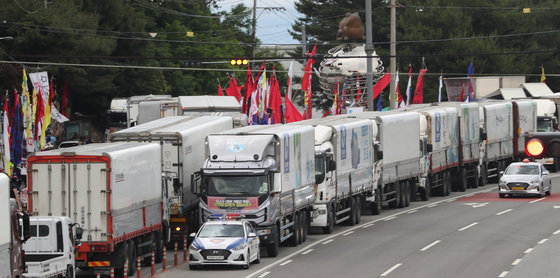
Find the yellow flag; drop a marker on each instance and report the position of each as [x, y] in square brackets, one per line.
[543, 78]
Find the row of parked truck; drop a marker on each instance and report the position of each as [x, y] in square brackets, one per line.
[153, 183]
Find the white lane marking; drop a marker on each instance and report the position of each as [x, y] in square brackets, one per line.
[328, 241]
[452, 199]
[349, 233]
[528, 250]
[307, 252]
[503, 274]
[412, 211]
[516, 262]
[537, 200]
[286, 262]
[323, 240]
[557, 232]
[430, 245]
[390, 270]
[505, 211]
[264, 274]
[543, 240]
[468, 226]
[469, 195]
[367, 226]
[390, 218]
[431, 205]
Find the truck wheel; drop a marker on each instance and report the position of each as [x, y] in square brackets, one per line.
[402, 193]
[396, 196]
[158, 246]
[555, 166]
[376, 206]
[132, 258]
[351, 221]
[330, 221]
[70, 271]
[358, 210]
[305, 222]
[483, 179]
[407, 194]
[272, 249]
[446, 183]
[413, 190]
[294, 240]
[463, 180]
[120, 258]
[301, 220]
[426, 191]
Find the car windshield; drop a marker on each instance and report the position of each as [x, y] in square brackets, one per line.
[221, 231]
[236, 185]
[522, 170]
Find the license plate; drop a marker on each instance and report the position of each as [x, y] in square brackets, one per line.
[215, 257]
[517, 188]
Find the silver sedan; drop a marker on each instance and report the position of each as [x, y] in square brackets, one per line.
[525, 178]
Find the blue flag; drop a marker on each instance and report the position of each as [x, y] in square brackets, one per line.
[379, 105]
[470, 72]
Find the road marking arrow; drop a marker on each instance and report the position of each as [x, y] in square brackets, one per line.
[476, 205]
[556, 207]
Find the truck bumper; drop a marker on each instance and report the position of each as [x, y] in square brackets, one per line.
[319, 216]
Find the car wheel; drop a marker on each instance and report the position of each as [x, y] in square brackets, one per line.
[248, 260]
[193, 267]
[502, 195]
[330, 221]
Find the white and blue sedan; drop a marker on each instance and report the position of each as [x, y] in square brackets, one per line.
[525, 178]
[225, 242]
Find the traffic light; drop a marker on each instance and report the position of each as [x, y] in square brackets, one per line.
[542, 144]
[238, 62]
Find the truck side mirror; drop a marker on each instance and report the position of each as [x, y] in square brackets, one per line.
[176, 186]
[483, 136]
[25, 227]
[332, 165]
[429, 148]
[195, 178]
[79, 233]
[378, 154]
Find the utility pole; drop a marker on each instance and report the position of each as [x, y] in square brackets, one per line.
[369, 51]
[393, 58]
[254, 27]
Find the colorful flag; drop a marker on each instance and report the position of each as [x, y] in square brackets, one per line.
[462, 92]
[6, 137]
[291, 114]
[335, 106]
[381, 84]
[440, 87]
[254, 108]
[470, 73]
[16, 133]
[543, 77]
[379, 104]
[419, 92]
[306, 83]
[26, 106]
[275, 101]
[249, 87]
[408, 86]
[400, 100]
[233, 90]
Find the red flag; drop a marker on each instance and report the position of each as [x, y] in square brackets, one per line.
[220, 92]
[249, 87]
[462, 93]
[291, 114]
[233, 89]
[381, 84]
[326, 113]
[306, 83]
[40, 113]
[419, 92]
[275, 100]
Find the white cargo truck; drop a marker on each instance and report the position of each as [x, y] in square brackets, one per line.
[157, 109]
[439, 128]
[182, 140]
[547, 122]
[212, 106]
[469, 171]
[397, 135]
[114, 191]
[49, 252]
[266, 173]
[13, 235]
[496, 151]
[343, 170]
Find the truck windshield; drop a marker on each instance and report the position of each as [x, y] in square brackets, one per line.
[544, 126]
[116, 119]
[236, 185]
[319, 165]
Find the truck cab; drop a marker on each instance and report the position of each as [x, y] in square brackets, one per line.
[50, 249]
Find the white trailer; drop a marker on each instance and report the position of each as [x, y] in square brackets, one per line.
[343, 170]
[266, 173]
[496, 122]
[12, 261]
[157, 109]
[212, 106]
[182, 140]
[115, 191]
[397, 135]
[49, 252]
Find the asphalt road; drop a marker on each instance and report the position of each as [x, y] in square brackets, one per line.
[466, 234]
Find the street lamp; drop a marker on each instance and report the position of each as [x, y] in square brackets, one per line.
[7, 38]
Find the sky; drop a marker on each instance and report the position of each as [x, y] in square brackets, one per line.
[272, 25]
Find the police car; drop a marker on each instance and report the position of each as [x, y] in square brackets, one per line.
[525, 178]
[225, 240]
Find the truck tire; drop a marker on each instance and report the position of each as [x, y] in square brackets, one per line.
[69, 271]
[330, 220]
[413, 190]
[158, 246]
[294, 240]
[132, 266]
[376, 205]
[300, 227]
[351, 221]
[483, 179]
[119, 259]
[463, 180]
[358, 209]
[272, 249]
[402, 193]
[446, 183]
[426, 191]
[474, 179]
[305, 222]
[407, 193]
[396, 196]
